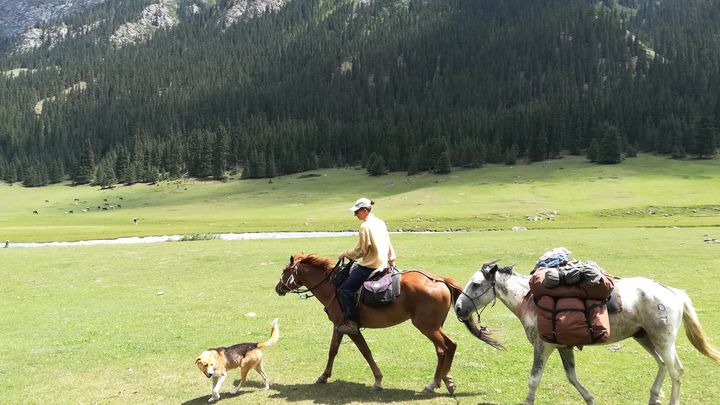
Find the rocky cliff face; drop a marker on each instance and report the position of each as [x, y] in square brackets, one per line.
[162, 15]
[30, 22]
[17, 16]
[240, 9]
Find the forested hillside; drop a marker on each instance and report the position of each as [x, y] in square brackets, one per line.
[392, 85]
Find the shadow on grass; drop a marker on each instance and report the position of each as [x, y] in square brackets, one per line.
[337, 392]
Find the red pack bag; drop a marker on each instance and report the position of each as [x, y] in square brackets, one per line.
[572, 321]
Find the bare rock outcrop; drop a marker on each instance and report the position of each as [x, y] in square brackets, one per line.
[154, 17]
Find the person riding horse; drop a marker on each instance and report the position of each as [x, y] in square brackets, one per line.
[376, 251]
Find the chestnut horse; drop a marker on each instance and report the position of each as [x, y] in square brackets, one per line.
[651, 314]
[424, 299]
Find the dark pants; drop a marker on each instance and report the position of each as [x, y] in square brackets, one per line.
[348, 290]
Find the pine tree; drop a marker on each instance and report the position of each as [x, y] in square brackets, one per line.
[511, 155]
[219, 160]
[443, 165]
[412, 164]
[609, 148]
[271, 167]
[593, 150]
[538, 149]
[174, 159]
[122, 165]
[376, 165]
[55, 172]
[706, 138]
[86, 165]
[105, 174]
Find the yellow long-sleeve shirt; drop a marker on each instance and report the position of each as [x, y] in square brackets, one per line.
[374, 246]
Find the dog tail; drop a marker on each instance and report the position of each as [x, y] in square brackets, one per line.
[274, 335]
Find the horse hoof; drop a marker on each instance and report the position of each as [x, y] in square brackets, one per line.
[377, 388]
[451, 388]
[321, 380]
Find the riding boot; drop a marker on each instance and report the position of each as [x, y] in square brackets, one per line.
[350, 327]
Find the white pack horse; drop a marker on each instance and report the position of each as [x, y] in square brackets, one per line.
[651, 314]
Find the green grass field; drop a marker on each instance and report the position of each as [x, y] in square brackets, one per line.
[123, 323]
[646, 191]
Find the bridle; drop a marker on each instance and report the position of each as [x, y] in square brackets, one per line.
[294, 276]
[489, 275]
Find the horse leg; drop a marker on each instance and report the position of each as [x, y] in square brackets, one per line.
[449, 356]
[675, 369]
[334, 347]
[541, 352]
[656, 389]
[568, 361]
[362, 345]
[438, 338]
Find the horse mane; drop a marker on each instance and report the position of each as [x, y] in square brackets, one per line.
[314, 260]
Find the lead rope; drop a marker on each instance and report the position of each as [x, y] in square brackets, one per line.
[472, 301]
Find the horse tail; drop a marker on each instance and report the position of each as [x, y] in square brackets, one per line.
[694, 332]
[481, 333]
[274, 335]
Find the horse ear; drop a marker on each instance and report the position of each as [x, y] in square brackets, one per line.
[491, 264]
[489, 268]
[291, 260]
[507, 269]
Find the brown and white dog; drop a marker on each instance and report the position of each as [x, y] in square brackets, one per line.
[215, 363]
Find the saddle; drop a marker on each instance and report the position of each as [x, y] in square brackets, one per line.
[381, 289]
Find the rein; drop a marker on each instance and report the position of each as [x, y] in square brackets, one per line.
[472, 300]
[298, 291]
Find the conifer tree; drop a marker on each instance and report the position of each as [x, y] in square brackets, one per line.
[538, 148]
[412, 164]
[122, 165]
[443, 165]
[511, 155]
[609, 148]
[86, 165]
[219, 159]
[376, 165]
[706, 138]
[105, 174]
[593, 150]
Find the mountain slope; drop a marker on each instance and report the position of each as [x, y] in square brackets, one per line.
[317, 83]
[17, 16]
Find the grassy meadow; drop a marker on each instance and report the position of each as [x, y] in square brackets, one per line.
[646, 191]
[123, 323]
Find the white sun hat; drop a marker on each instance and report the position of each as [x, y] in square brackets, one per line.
[361, 203]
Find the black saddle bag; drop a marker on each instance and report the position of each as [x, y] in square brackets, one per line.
[341, 272]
